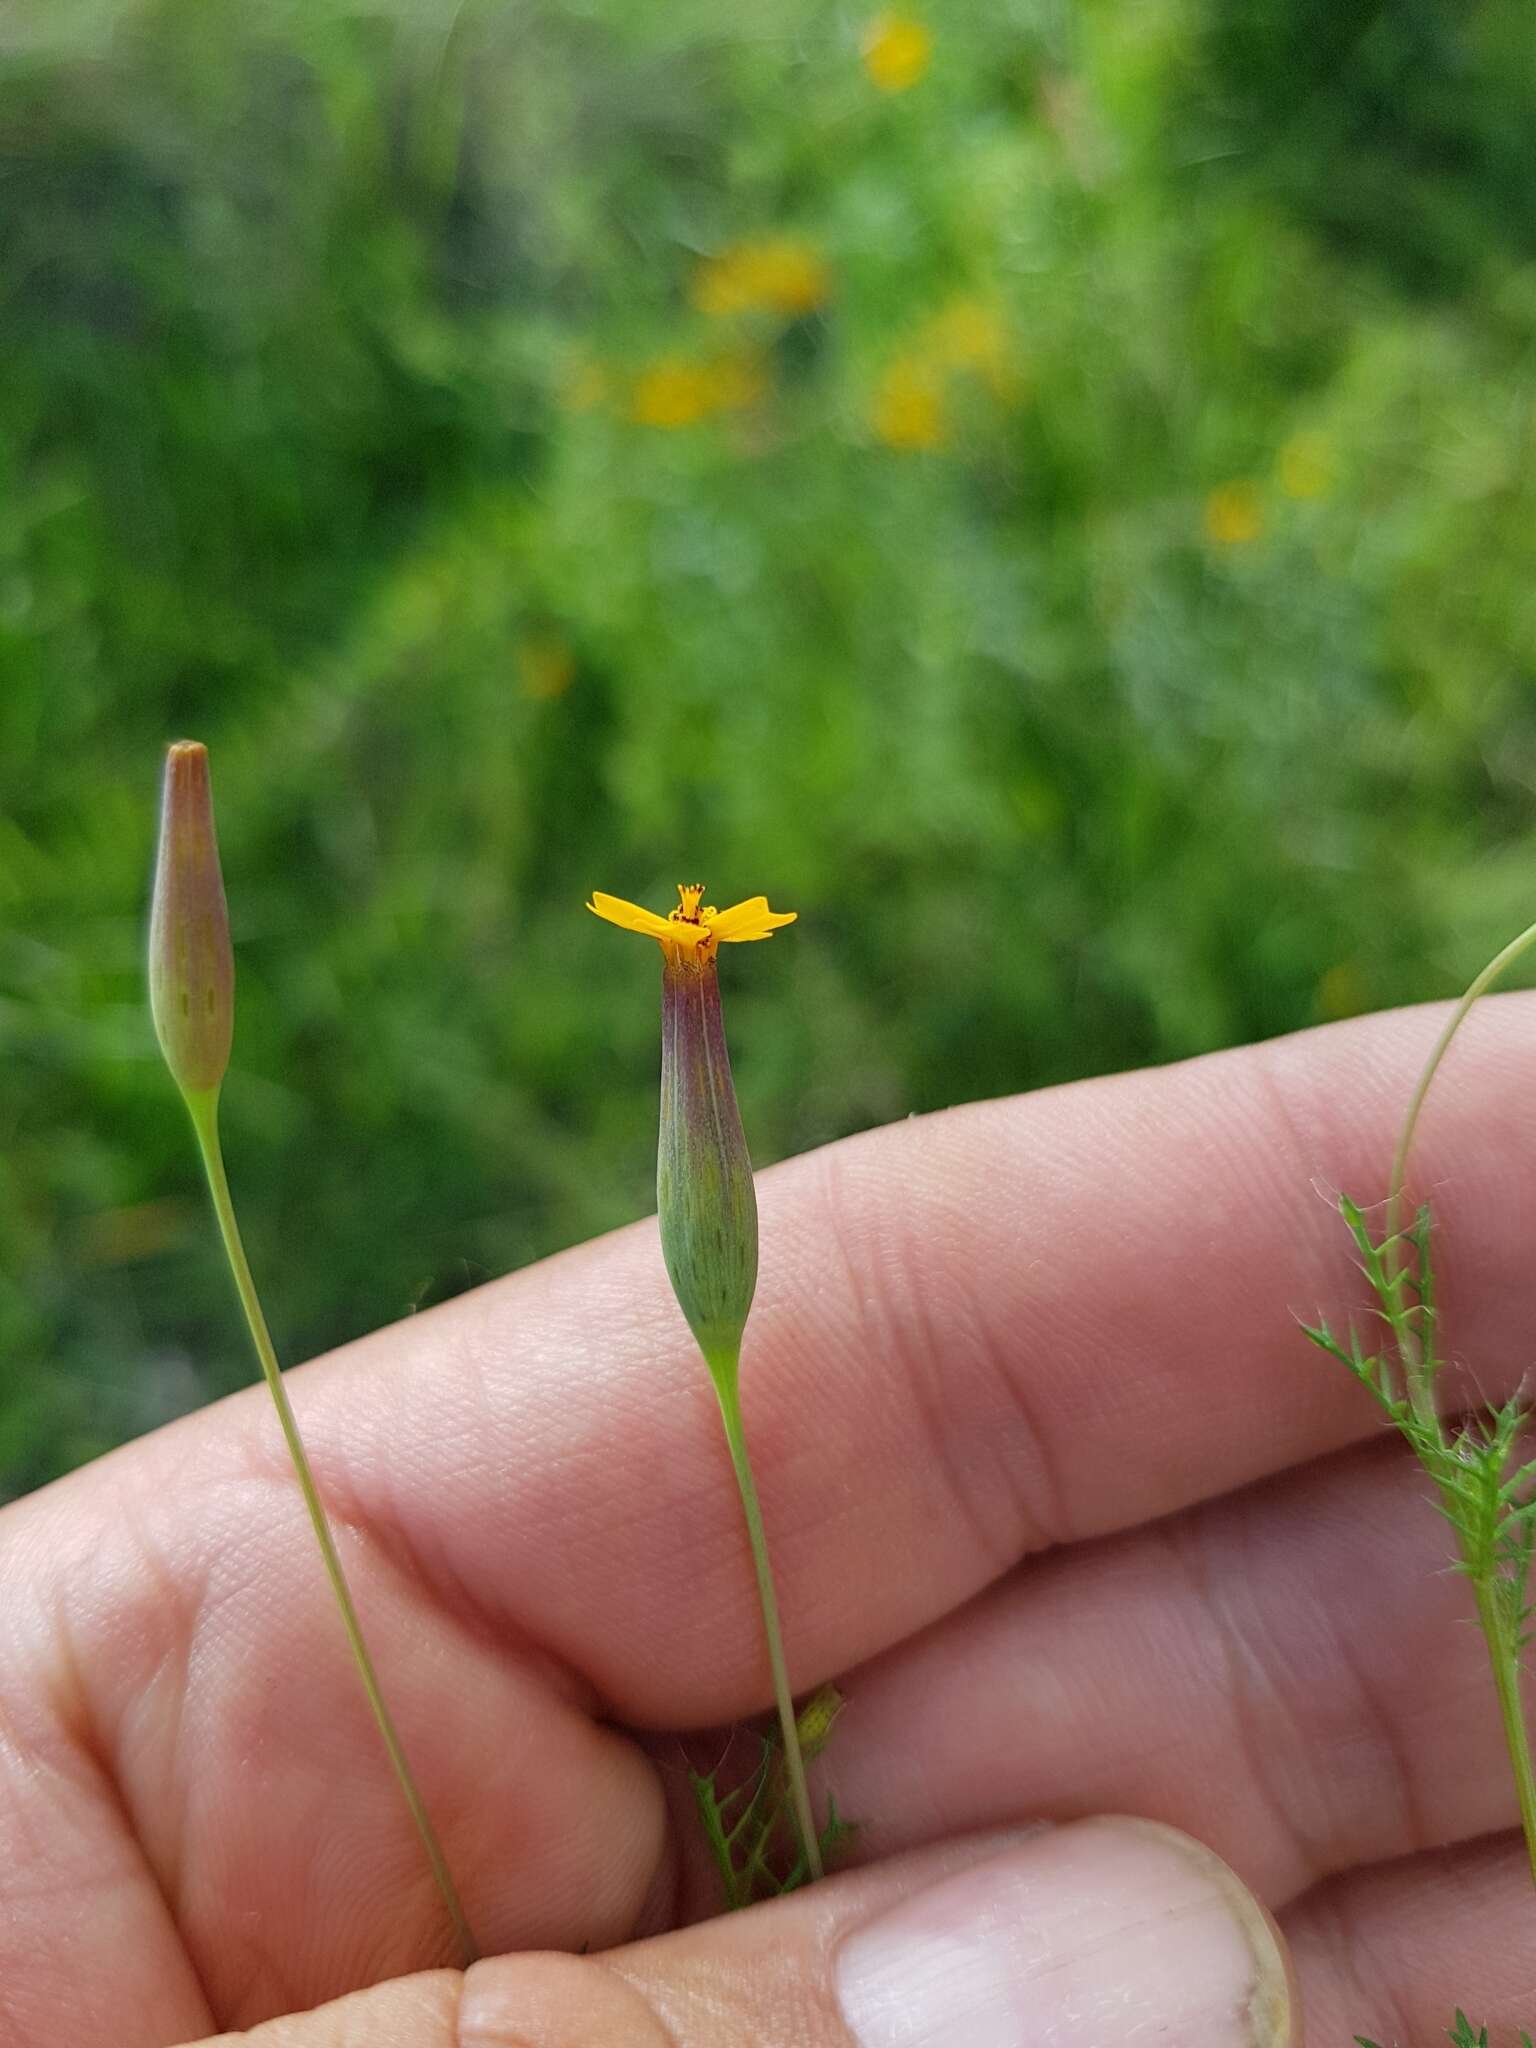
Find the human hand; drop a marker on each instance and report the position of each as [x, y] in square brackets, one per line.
[1054, 1487]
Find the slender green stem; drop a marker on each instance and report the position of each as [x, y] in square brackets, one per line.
[1504, 1656]
[1418, 1381]
[726, 1376]
[204, 1109]
[1503, 1647]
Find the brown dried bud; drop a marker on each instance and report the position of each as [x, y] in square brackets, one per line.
[191, 965]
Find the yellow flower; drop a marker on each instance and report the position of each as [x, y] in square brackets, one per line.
[897, 51]
[1306, 466]
[695, 928]
[909, 406]
[673, 392]
[1234, 514]
[968, 334]
[776, 274]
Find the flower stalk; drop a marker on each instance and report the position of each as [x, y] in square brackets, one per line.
[191, 984]
[707, 1207]
[1502, 1622]
[1485, 1488]
[1420, 1382]
[726, 1376]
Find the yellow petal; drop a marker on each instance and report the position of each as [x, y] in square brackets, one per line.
[630, 916]
[750, 920]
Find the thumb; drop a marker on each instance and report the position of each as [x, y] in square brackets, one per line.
[1110, 1931]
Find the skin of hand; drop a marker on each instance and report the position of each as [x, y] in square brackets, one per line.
[1055, 1489]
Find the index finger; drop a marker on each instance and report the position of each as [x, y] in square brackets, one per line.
[978, 1333]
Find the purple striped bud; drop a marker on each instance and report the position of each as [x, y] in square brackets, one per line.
[704, 1192]
[705, 1199]
[191, 964]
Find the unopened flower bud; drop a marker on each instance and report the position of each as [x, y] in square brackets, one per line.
[191, 965]
[708, 1212]
[704, 1194]
[705, 1199]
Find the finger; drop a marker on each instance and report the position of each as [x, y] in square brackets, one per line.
[194, 1801]
[979, 1333]
[1393, 1953]
[1113, 1930]
[541, 1515]
[1292, 1674]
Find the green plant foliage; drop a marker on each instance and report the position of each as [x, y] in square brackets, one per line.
[1463, 2035]
[1485, 1490]
[1061, 526]
[750, 1827]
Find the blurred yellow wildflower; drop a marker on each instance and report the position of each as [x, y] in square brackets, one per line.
[897, 51]
[967, 337]
[969, 334]
[671, 392]
[908, 411]
[676, 392]
[546, 667]
[776, 274]
[1234, 514]
[1306, 466]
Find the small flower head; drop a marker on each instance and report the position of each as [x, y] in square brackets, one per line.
[969, 335]
[777, 274]
[908, 410]
[897, 51]
[676, 392]
[705, 1199]
[690, 934]
[191, 965]
[1234, 514]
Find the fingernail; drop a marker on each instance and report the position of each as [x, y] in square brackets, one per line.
[1104, 1933]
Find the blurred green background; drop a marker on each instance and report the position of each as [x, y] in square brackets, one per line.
[1044, 490]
